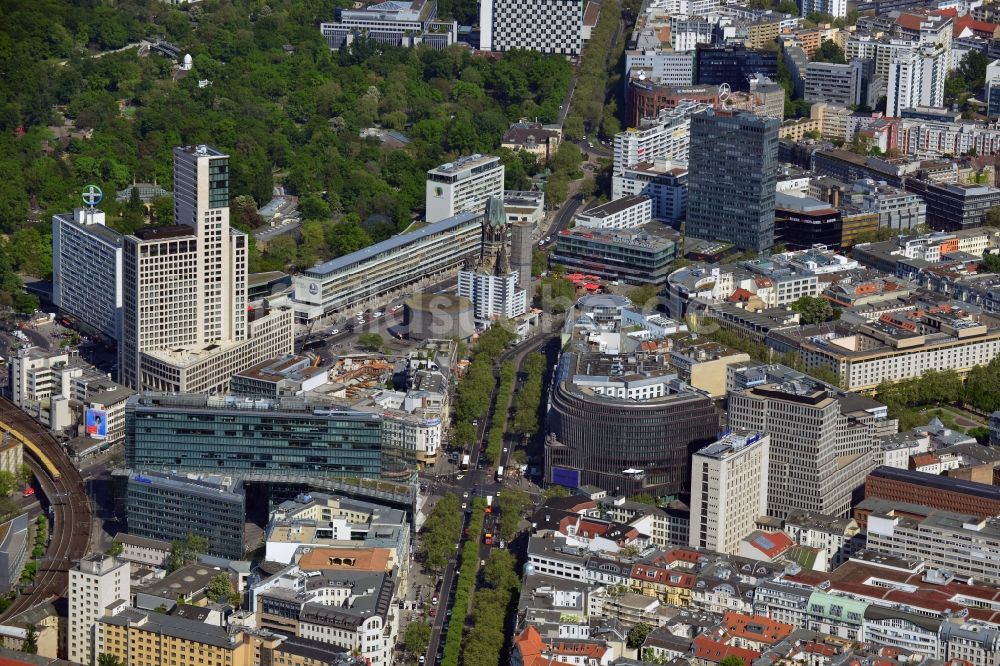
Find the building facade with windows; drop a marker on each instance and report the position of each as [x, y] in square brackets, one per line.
[87, 270]
[187, 325]
[95, 583]
[667, 136]
[369, 276]
[732, 176]
[546, 26]
[665, 183]
[821, 441]
[250, 438]
[728, 490]
[463, 186]
[625, 213]
[623, 431]
[171, 506]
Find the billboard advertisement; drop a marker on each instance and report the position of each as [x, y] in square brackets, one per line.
[97, 423]
[566, 477]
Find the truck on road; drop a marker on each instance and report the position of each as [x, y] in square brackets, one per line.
[466, 459]
[500, 474]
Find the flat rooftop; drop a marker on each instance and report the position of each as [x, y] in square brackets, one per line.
[163, 233]
[390, 245]
[613, 207]
[938, 482]
[464, 164]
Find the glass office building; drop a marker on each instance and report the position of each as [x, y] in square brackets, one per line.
[255, 439]
[171, 506]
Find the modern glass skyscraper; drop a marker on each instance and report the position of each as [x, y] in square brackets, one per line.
[732, 175]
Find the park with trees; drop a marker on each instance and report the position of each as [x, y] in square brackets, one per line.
[272, 94]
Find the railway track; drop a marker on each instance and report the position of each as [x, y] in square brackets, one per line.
[71, 514]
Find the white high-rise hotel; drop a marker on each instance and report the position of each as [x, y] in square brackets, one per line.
[728, 490]
[186, 322]
[98, 581]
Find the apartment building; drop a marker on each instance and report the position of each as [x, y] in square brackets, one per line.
[147, 638]
[916, 79]
[664, 182]
[839, 537]
[835, 8]
[87, 270]
[463, 186]
[96, 583]
[729, 488]
[667, 136]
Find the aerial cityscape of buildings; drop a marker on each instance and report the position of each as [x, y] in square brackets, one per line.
[696, 365]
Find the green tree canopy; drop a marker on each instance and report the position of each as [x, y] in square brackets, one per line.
[637, 635]
[185, 551]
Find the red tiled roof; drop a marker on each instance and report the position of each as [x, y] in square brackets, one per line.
[771, 544]
[740, 294]
[909, 21]
[922, 459]
[756, 627]
[710, 650]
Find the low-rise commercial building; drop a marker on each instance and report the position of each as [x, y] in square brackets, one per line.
[639, 255]
[332, 521]
[391, 23]
[933, 490]
[278, 377]
[624, 213]
[371, 275]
